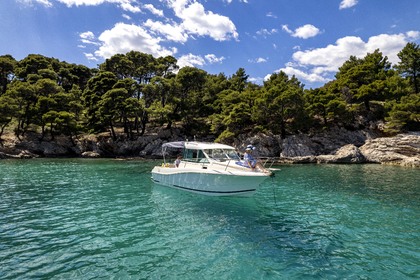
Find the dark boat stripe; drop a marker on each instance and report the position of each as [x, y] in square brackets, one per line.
[206, 191]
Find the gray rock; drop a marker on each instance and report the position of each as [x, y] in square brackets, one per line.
[403, 149]
[90, 154]
[298, 146]
[323, 143]
[346, 154]
[332, 146]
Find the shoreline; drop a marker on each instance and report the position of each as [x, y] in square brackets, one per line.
[359, 147]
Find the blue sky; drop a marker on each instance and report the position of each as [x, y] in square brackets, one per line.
[306, 38]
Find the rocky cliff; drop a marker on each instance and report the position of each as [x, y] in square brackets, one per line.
[332, 146]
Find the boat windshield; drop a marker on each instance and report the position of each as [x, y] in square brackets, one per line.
[222, 154]
[195, 156]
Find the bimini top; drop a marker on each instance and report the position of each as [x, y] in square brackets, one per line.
[196, 145]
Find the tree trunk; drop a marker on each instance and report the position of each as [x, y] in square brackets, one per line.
[367, 105]
[52, 131]
[144, 121]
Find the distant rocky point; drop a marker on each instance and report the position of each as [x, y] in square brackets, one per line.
[333, 146]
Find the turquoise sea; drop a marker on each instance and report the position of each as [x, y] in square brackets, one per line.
[105, 219]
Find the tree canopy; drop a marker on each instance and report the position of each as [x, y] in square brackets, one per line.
[128, 94]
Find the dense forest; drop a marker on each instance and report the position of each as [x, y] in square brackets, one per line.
[131, 93]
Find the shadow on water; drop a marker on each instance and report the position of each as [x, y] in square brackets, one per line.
[252, 231]
[310, 221]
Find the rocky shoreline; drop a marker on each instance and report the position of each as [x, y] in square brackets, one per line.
[338, 146]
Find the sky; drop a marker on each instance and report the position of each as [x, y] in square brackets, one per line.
[307, 38]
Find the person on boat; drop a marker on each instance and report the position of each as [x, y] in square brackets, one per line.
[251, 161]
[178, 161]
[248, 158]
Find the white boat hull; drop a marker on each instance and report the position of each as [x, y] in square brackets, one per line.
[214, 182]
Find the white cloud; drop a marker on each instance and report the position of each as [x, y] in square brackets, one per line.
[130, 8]
[88, 38]
[126, 5]
[302, 75]
[90, 56]
[123, 38]
[257, 80]
[389, 45]
[345, 4]
[45, 3]
[413, 34]
[70, 3]
[230, 1]
[193, 60]
[306, 31]
[270, 14]
[197, 21]
[265, 32]
[286, 28]
[212, 58]
[191, 19]
[190, 60]
[258, 60]
[88, 35]
[153, 10]
[332, 54]
[318, 65]
[171, 31]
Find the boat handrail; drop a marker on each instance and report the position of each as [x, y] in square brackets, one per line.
[269, 161]
[227, 165]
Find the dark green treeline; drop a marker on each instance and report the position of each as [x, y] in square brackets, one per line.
[131, 93]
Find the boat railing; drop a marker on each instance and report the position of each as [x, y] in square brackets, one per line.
[227, 165]
[268, 162]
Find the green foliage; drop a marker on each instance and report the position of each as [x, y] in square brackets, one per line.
[96, 87]
[280, 107]
[323, 104]
[404, 114]
[8, 109]
[364, 79]
[130, 92]
[409, 65]
[239, 80]
[226, 136]
[190, 84]
[7, 67]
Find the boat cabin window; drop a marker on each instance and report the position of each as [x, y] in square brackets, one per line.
[195, 156]
[222, 155]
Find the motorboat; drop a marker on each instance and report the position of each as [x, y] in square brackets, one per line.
[208, 168]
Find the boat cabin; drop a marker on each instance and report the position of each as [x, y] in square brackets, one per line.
[203, 152]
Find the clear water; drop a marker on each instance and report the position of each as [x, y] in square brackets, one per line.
[105, 219]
